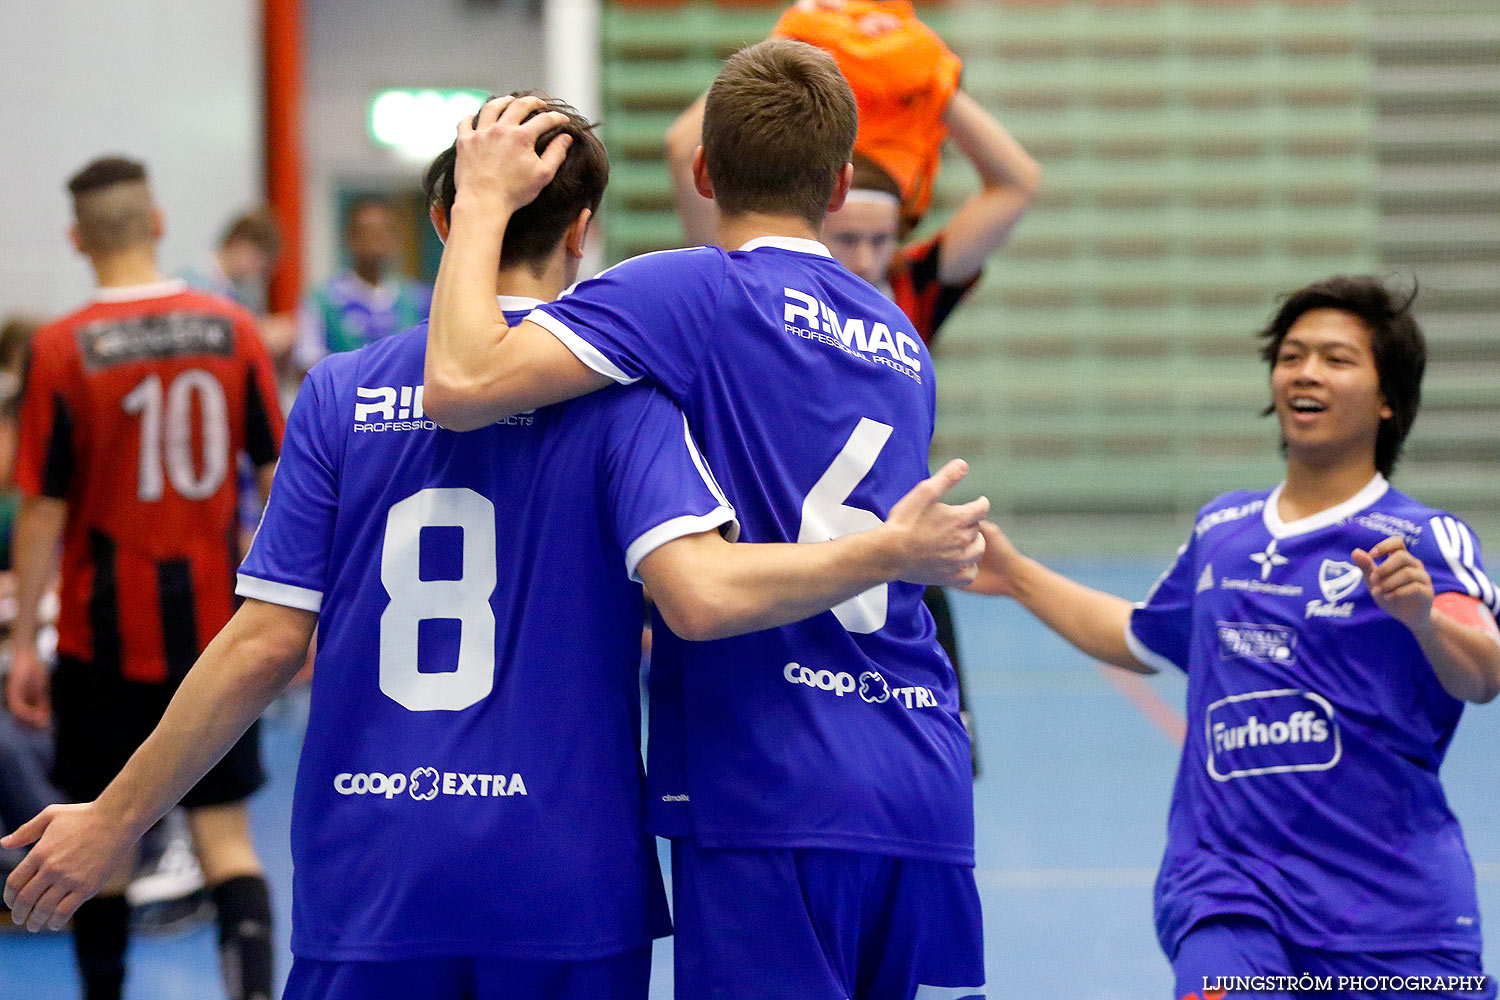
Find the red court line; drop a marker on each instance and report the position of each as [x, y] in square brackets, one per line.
[1152, 705]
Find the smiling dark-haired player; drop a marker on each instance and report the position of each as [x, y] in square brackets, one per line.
[1331, 629]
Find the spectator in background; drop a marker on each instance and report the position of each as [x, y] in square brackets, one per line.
[240, 270]
[370, 301]
[25, 752]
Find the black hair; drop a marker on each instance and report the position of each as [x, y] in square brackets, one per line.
[1396, 342]
[536, 228]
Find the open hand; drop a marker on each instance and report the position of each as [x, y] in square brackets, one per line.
[498, 165]
[939, 543]
[79, 849]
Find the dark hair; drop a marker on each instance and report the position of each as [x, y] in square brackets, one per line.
[258, 227]
[364, 202]
[536, 228]
[1396, 342]
[870, 176]
[778, 127]
[107, 171]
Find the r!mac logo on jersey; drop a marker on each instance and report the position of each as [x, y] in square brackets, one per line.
[390, 408]
[812, 319]
[399, 408]
[1271, 732]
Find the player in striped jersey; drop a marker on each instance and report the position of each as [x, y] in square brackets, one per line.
[136, 409]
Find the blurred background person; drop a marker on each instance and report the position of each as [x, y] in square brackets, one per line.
[134, 410]
[369, 301]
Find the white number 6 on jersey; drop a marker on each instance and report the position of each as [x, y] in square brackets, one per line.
[825, 517]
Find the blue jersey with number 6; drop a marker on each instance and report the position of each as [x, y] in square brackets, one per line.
[814, 401]
[470, 782]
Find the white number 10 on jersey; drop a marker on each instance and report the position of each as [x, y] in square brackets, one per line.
[414, 600]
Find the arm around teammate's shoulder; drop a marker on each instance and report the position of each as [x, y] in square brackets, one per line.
[1090, 620]
[707, 588]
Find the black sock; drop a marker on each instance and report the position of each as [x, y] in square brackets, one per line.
[101, 928]
[245, 936]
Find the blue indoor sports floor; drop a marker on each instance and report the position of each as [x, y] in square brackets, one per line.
[1071, 809]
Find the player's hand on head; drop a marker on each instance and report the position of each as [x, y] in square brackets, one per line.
[498, 165]
[76, 850]
[1397, 580]
[26, 689]
[938, 543]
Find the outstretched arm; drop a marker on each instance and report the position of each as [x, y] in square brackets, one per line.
[1009, 180]
[1456, 632]
[78, 846]
[707, 588]
[695, 212]
[478, 369]
[1092, 621]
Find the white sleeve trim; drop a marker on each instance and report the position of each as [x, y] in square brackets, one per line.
[1145, 654]
[582, 349]
[278, 593]
[679, 527]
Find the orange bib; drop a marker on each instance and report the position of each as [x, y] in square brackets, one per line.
[902, 79]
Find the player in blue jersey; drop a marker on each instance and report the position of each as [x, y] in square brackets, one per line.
[814, 778]
[468, 820]
[1331, 629]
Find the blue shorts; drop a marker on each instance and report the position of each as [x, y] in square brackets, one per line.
[1234, 946]
[619, 977]
[761, 924]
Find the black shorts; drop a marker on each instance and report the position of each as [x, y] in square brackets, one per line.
[101, 719]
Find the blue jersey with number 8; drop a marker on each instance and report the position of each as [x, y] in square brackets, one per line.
[814, 401]
[470, 782]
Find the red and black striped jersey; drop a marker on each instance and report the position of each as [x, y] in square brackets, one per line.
[134, 412]
[915, 287]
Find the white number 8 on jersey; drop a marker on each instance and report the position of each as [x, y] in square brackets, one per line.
[414, 600]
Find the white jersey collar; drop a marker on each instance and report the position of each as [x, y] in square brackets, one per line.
[1372, 491]
[793, 243]
[517, 303]
[134, 293]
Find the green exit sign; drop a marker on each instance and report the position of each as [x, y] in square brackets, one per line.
[419, 122]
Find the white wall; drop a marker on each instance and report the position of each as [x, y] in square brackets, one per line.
[175, 83]
[356, 47]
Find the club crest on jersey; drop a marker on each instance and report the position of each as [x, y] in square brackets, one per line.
[812, 319]
[1271, 732]
[1336, 580]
